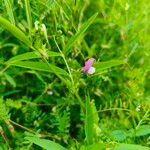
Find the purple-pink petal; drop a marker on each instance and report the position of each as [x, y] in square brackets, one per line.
[88, 65]
[89, 61]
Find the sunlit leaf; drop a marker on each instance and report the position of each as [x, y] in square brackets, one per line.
[9, 11]
[79, 34]
[100, 66]
[46, 144]
[10, 80]
[28, 14]
[143, 130]
[14, 30]
[118, 135]
[89, 122]
[30, 55]
[130, 147]
[97, 146]
[41, 66]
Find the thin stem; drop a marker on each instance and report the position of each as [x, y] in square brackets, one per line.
[63, 56]
[23, 127]
[3, 136]
[34, 132]
[143, 118]
[2, 71]
[110, 109]
[79, 100]
[44, 59]
[28, 14]
[74, 90]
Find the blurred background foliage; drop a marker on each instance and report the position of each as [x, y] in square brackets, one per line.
[40, 102]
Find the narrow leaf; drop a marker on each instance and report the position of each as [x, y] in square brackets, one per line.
[89, 122]
[28, 14]
[9, 11]
[10, 80]
[122, 146]
[100, 66]
[79, 34]
[30, 55]
[130, 147]
[41, 66]
[96, 146]
[14, 30]
[46, 144]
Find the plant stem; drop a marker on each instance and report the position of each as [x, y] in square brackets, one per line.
[63, 56]
[143, 118]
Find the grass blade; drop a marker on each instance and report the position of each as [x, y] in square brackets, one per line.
[14, 30]
[41, 66]
[130, 147]
[28, 14]
[30, 55]
[79, 34]
[89, 122]
[100, 66]
[9, 11]
[10, 79]
[44, 143]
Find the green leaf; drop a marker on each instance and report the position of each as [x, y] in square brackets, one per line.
[100, 66]
[118, 135]
[130, 147]
[14, 30]
[89, 122]
[96, 128]
[10, 80]
[9, 10]
[30, 55]
[46, 144]
[10, 92]
[143, 130]
[79, 34]
[95, 113]
[28, 14]
[97, 146]
[41, 66]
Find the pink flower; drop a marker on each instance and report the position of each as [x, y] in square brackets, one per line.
[88, 66]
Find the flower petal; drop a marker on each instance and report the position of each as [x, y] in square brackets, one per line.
[91, 70]
[89, 61]
[88, 64]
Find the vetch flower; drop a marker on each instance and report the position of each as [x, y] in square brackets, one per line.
[88, 66]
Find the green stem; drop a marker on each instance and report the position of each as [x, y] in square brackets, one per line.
[44, 59]
[143, 118]
[79, 100]
[63, 56]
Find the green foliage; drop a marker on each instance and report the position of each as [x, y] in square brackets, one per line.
[38, 66]
[143, 130]
[102, 146]
[79, 34]
[28, 14]
[3, 111]
[44, 92]
[130, 147]
[46, 144]
[89, 122]
[14, 30]
[29, 55]
[100, 66]
[9, 11]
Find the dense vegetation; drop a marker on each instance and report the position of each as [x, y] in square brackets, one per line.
[47, 100]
